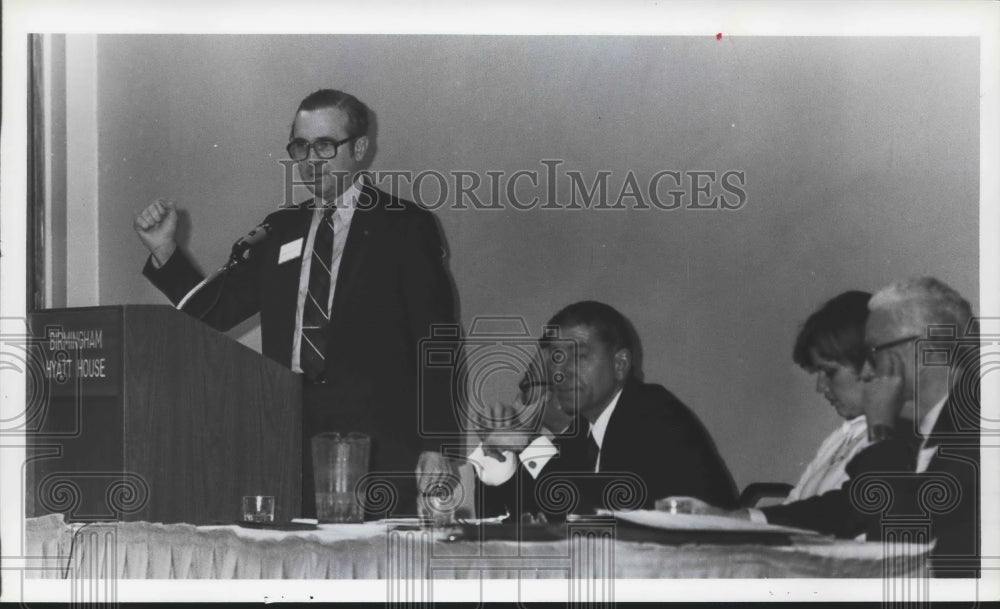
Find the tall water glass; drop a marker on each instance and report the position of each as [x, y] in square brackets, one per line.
[339, 462]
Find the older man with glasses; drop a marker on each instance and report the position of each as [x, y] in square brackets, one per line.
[347, 285]
[923, 367]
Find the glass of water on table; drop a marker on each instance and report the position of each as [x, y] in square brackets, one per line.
[258, 509]
[340, 460]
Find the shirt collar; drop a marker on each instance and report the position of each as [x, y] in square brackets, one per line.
[853, 425]
[930, 419]
[345, 203]
[598, 427]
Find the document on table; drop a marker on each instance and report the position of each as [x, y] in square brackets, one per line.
[698, 522]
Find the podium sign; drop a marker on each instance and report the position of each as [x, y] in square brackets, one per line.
[148, 414]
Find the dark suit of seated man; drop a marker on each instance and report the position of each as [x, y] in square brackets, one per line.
[921, 369]
[627, 442]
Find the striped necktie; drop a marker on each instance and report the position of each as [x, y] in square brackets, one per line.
[315, 315]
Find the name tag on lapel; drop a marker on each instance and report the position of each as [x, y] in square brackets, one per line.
[290, 251]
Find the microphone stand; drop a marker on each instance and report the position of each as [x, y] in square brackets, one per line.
[237, 256]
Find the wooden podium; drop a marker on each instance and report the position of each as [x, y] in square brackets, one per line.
[140, 412]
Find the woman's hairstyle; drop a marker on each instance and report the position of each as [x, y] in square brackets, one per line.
[835, 332]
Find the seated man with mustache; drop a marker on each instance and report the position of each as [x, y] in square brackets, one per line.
[627, 442]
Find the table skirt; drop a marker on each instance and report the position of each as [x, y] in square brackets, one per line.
[142, 550]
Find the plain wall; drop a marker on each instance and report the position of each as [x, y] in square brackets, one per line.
[860, 156]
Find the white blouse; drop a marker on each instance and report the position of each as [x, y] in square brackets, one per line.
[827, 469]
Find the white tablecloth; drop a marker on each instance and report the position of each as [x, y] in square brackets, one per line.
[142, 550]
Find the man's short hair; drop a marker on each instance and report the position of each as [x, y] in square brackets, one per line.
[920, 302]
[609, 325]
[356, 111]
[836, 332]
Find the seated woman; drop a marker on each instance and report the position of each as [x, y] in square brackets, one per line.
[831, 344]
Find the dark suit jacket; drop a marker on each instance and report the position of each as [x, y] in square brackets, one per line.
[884, 495]
[391, 288]
[654, 446]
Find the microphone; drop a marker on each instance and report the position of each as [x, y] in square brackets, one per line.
[244, 243]
[238, 254]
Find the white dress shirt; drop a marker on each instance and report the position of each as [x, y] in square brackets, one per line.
[926, 426]
[599, 427]
[345, 204]
[537, 454]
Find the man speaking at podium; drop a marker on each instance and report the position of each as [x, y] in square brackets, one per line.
[346, 285]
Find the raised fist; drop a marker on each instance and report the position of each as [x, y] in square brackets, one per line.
[156, 226]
